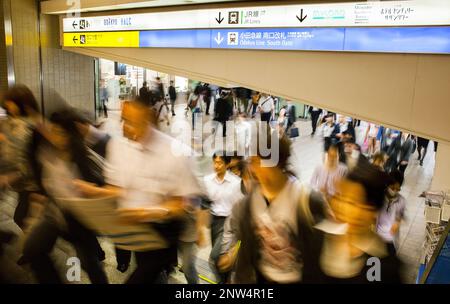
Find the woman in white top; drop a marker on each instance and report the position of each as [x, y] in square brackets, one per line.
[371, 137]
[282, 121]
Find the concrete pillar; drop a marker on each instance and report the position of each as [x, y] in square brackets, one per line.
[441, 178]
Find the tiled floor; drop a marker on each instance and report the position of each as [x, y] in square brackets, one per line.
[307, 154]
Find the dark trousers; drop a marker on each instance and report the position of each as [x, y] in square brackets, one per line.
[254, 108]
[217, 225]
[150, 265]
[105, 109]
[42, 239]
[208, 104]
[195, 114]
[23, 205]
[266, 117]
[314, 117]
[172, 105]
[402, 168]
[123, 257]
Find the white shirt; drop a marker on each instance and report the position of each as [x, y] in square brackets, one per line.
[327, 130]
[325, 180]
[343, 127]
[267, 104]
[149, 173]
[390, 213]
[223, 194]
[373, 130]
[243, 130]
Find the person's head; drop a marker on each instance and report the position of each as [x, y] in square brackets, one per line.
[137, 117]
[144, 84]
[348, 147]
[19, 101]
[236, 164]
[242, 116]
[171, 82]
[262, 164]
[221, 162]
[359, 197]
[158, 79]
[65, 134]
[224, 92]
[333, 156]
[198, 90]
[379, 160]
[329, 119]
[395, 183]
[342, 119]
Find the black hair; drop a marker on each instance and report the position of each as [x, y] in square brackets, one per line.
[197, 89]
[22, 96]
[374, 182]
[78, 150]
[333, 146]
[144, 83]
[223, 156]
[379, 156]
[395, 176]
[284, 148]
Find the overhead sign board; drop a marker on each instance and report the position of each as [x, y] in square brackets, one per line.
[387, 39]
[102, 39]
[360, 14]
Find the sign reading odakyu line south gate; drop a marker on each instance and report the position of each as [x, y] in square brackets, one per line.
[355, 39]
[358, 14]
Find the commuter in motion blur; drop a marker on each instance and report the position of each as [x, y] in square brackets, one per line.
[153, 186]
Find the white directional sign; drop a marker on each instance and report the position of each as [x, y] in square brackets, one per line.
[361, 14]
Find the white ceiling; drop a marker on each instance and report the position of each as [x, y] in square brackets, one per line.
[61, 7]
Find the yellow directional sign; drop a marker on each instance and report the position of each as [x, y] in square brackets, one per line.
[102, 39]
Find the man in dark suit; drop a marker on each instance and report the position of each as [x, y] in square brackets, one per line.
[145, 94]
[291, 114]
[315, 113]
[172, 96]
[399, 153]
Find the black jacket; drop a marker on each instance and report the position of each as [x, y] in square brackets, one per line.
[223, 110]
[146, 95]
[172, 93]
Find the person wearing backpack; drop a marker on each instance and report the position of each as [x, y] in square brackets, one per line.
[194, 103]
[269, 237]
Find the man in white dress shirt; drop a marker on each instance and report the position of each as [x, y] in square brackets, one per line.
[153, 186]
[266, 107]
[224, 190]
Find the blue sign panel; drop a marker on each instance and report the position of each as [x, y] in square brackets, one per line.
[397, 39]
[401, 40]
[175, 39]
[317, 39]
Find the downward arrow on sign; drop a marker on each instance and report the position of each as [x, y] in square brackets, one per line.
[301, 18]
[218, 39]
[220, 18]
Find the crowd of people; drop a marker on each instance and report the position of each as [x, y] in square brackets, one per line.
[265, 225]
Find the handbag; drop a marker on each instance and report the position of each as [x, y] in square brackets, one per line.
[193, 103]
